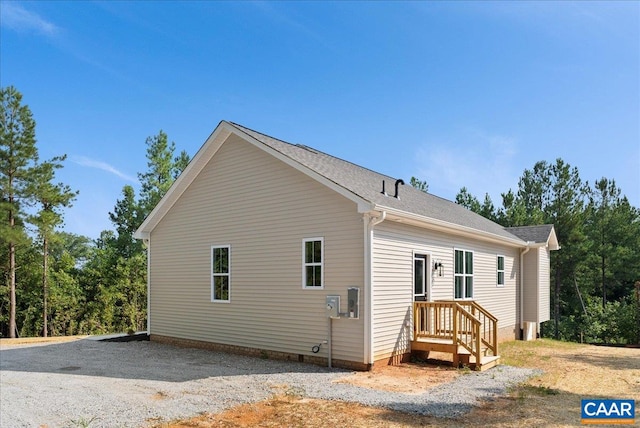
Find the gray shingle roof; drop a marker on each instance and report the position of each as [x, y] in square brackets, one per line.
[538, 234]
[367, 184]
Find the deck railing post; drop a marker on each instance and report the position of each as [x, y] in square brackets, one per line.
[495, 337]
[415, 320]
[478, 350]
[454, 310]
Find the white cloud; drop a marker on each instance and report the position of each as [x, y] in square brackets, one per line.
[17, 18]
[91, 163]
[480, 162]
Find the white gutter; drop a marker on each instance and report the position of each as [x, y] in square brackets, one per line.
[522, 253]
[446, 226]
[369, 223]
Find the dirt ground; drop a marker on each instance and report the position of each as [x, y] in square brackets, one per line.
[408, 378]
[571, 372]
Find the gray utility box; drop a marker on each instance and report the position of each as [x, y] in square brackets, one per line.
[353, 302]
[333, 306]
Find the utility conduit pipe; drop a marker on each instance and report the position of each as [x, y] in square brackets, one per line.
[330, 344]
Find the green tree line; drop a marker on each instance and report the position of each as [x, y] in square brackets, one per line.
[59, 283]
[595, 276]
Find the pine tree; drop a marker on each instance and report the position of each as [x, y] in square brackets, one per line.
[116, 276]
[421, 185]
[163, 169]
[467, 200]
[18, 160]
[470, 202]
[126, 217]
[50, 197]
[552, 194]
[613, 231]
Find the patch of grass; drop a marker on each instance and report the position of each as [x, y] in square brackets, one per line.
[296, 392]
[465, 369]
[82, 422]
[264, 355]
[521, 354]
[524, 391]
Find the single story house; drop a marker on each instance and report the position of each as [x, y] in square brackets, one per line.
[279, 249]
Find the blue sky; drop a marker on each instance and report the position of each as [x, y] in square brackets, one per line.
[454, 93]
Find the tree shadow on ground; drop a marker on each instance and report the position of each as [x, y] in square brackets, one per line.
[142, 360]
[525, 406]
[631, 361]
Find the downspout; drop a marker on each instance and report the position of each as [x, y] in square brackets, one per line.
[522, 253]
[147, 243]
[370, 223]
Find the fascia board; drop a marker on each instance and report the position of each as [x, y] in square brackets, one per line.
[552, 241]
[204, 155]
[199, 161]
[445, 226]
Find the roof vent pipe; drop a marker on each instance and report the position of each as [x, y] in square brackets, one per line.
[384, 192]
[398, 181]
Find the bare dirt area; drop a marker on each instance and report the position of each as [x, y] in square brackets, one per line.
[25, 341]
[571, 372]
[291, 411]
[409, 378]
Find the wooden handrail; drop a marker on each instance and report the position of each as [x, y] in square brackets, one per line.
[489, 322]
[464, 322]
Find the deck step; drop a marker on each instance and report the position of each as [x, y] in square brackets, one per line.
[486, 362]
[461, 356]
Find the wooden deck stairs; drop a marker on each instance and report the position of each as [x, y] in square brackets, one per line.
[461, 328]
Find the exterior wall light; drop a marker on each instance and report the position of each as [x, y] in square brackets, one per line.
[437, 266]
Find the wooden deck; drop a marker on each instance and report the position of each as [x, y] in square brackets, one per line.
[462, 328]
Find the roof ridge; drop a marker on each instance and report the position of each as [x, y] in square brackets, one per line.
[529, 226]
[306, 147]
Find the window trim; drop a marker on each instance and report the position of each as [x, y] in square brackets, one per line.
[305, 264]
[425, 269]
[223, 274]
[464, 275]
[428, 272]
[499, 271]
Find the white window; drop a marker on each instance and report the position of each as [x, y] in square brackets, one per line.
[220, 273]
[313, 263]
[463, 274]
[500, 271]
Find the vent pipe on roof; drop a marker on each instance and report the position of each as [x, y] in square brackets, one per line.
[398, 181]
[384, 192]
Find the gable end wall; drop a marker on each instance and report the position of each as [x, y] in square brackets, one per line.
[263, 209]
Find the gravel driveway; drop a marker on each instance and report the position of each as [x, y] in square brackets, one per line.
[133, 384]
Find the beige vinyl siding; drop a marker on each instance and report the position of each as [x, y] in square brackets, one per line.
[531, 286]
[393, 248]
[262, 209]
[544, 291]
